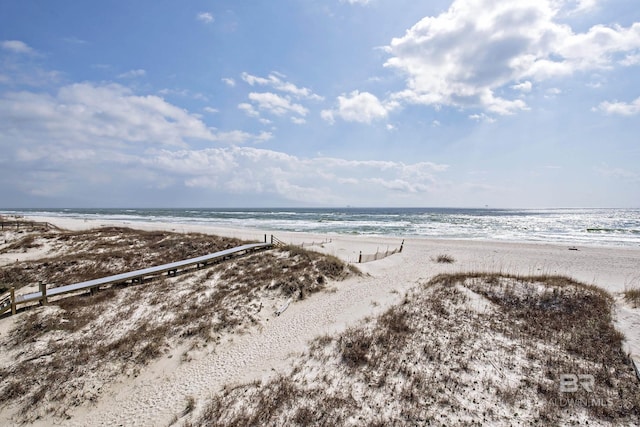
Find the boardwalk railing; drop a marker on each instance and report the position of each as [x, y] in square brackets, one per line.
[277, 242]
[7, 301]
[133, 276]
[25, 225]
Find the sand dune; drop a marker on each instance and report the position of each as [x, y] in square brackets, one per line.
[163, 389]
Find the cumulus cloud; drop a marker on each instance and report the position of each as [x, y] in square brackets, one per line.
[621, 108]
[87, 137]
[276, 104]
[16, 46]
[362, 107]
[463, 56]
[287, 100]
[106, 115]
[229, 81]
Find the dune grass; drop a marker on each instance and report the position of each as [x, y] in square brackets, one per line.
[632, 296]
[472, 349]
[76, 256]
[445, 259]
[63, 355]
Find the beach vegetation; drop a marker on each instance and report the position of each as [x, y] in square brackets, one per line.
[632, 296]
[445, 259]
[62, 355]
[460, 348]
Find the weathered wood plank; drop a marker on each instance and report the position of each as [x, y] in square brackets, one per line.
[141, 274]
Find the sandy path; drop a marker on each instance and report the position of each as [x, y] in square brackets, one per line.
[155, 397]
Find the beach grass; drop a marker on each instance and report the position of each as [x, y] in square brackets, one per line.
[445, 259]
[77, 256]
[63, 355]
[463, 348]
[632, 296]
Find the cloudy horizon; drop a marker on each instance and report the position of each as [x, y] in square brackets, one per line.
[458, 103]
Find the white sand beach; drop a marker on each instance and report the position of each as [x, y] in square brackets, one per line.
[161, 389]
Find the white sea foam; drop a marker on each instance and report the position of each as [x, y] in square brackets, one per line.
[609, 227]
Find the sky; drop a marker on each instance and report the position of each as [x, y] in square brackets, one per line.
[456, 103]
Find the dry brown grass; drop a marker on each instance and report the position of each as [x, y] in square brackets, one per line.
[86, 255]
[65, 353]
[445, 259]
[473, 349]
[632, 296]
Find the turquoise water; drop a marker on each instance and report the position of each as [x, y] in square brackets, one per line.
[609, 227]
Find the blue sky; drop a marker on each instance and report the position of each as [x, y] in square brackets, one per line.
[464, 103]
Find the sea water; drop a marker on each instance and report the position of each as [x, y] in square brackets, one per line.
[609, 227]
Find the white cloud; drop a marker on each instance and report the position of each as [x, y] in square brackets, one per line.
[229, 81]
[274, 80]
[318, 180]
[552, 92]
[240, 137]
[205, 17]
[621, 108]
[363, 2]
[211, 110]
[16, 46]
[523, 87]
[183, 93]
[328, 116]
[482, 117]
[132, 74]
[87, 138]
[276, 104]
[631, 59]
[362, 107]
[464, 55]
[248, 109]
[582, 6]
[105, 116]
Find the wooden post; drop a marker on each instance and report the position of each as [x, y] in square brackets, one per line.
[13, 300]
[401, 245]
[360, 258]
[43, 290]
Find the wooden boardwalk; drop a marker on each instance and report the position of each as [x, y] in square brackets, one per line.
[10, 301]
[6, 224]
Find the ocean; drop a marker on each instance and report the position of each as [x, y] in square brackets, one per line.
[603, 227]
